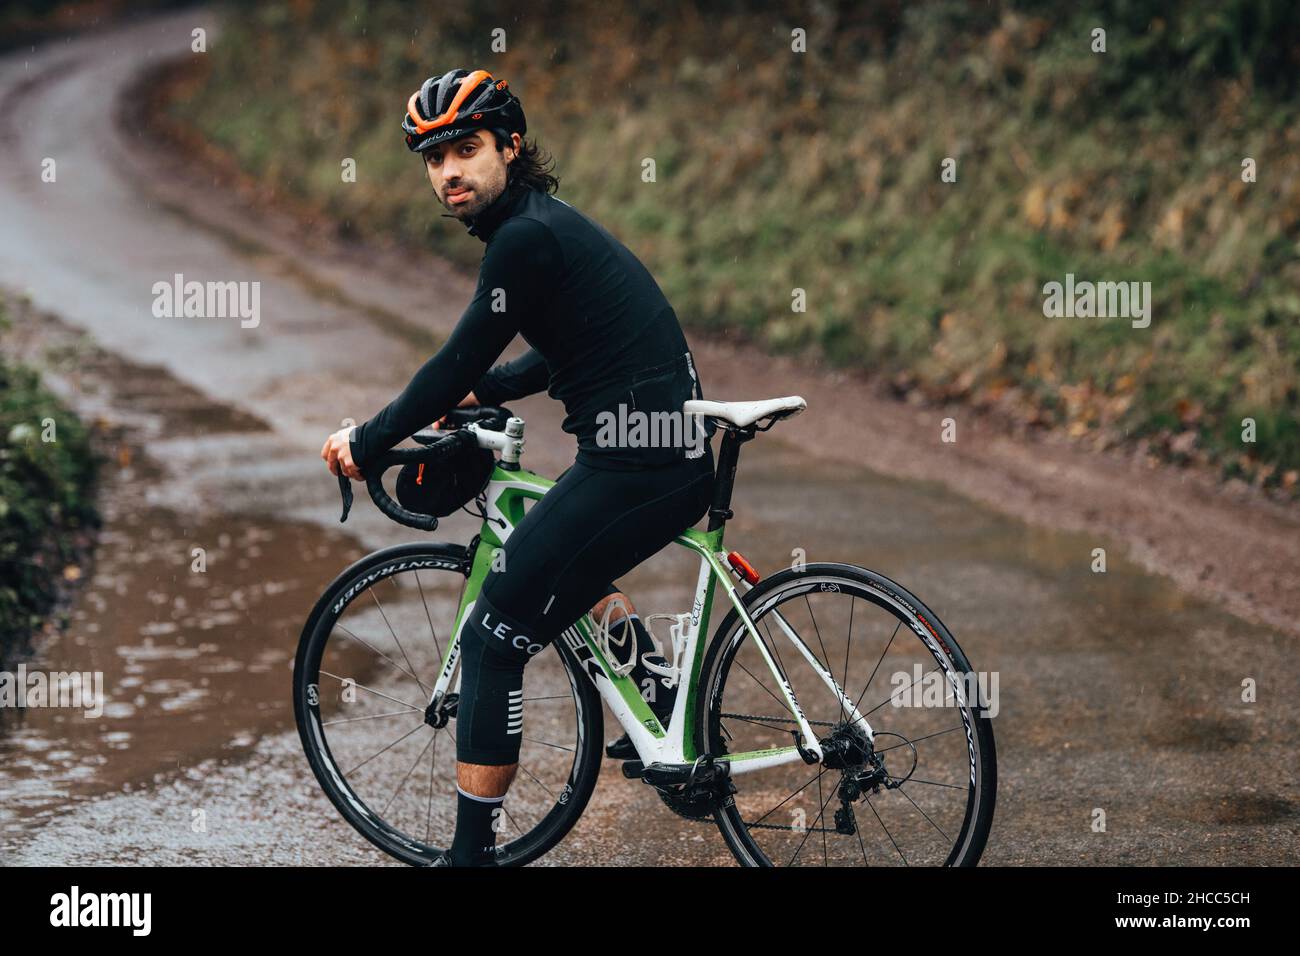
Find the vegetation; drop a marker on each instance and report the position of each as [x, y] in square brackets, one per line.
[46, 496]
[777, 170]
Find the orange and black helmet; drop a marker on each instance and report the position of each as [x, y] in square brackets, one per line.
[457, 103]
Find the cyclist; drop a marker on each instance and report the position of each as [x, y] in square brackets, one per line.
[606, 343]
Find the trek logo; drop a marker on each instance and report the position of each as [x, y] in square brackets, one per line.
[502, 630]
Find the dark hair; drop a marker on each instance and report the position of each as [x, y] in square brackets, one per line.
[531, 166]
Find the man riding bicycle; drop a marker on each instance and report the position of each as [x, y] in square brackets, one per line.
[605, 342]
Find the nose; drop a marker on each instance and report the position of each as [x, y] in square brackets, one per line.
[450, 170]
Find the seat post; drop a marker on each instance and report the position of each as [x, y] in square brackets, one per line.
[725, 478]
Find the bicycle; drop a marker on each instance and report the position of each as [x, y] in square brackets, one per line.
[733, 745]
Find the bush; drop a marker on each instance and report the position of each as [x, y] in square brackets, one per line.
[46, 494]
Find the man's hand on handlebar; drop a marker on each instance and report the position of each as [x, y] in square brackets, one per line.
[465, 402]
[338, 454]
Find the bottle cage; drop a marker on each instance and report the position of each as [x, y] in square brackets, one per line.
[673, 672]
[605, 642]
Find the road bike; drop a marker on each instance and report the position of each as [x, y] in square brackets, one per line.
[799, 729]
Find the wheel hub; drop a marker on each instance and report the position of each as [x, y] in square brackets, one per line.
[441, 710]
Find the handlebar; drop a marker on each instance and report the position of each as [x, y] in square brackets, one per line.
[438, 445]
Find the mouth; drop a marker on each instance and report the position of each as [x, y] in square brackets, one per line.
[457, 196]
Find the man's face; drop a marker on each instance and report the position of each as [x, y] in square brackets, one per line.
[468, 173]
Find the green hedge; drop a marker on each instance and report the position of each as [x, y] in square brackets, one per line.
[46, 496]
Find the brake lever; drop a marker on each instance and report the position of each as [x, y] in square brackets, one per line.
[345, 489]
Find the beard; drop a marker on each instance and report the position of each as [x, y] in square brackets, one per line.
[482, 195]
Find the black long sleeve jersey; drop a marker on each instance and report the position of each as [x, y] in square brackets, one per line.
[603, 340]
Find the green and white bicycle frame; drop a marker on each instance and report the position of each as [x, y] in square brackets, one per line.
[508, 490]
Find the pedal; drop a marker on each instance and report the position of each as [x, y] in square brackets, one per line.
[632, 769]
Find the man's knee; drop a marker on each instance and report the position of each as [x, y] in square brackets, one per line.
[501, 632]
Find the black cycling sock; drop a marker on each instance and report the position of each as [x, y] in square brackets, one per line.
[664, 697]
[475, 841]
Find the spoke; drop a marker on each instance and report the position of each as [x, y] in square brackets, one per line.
[548, 744]
[372, 647]
[510, 817]
[826, 859]
[533, 777]
[893, 694]
[839, 701]
[825, 653]
[552, 697]
[727, 734]
[423, 600]
[811, 780]
[932, 783]
[821, 815]
[385, 750]
[887, 833]
[369, 690]
[415, 763]
[937, 733]
[375, 597]
[867, 686]
[862, 846]
[848, 645]
[783, 703]
[348, 720]
[922, 812]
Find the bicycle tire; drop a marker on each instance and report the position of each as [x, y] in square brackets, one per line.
[730, 636]
[334, 601]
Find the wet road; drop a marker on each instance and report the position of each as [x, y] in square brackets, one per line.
[1118, 693]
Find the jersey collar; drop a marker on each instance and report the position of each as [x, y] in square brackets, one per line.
[487, 221]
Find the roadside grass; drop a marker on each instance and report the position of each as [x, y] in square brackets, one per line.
[775, 172]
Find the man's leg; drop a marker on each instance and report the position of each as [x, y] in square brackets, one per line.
[617, 613]
[547, 584]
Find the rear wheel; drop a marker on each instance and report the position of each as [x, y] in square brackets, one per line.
[920, 793]
[367, 660]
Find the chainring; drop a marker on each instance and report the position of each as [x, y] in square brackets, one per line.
[697, 806]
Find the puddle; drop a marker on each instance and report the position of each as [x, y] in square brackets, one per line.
[189, 619]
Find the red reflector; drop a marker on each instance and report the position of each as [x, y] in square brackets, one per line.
[737, 561]
[419, 474]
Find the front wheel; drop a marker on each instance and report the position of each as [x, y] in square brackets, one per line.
[368, 658]
[919, 792]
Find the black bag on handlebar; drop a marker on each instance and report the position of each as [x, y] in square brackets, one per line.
[442, 487]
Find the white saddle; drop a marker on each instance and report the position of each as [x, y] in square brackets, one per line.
[741, 414]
